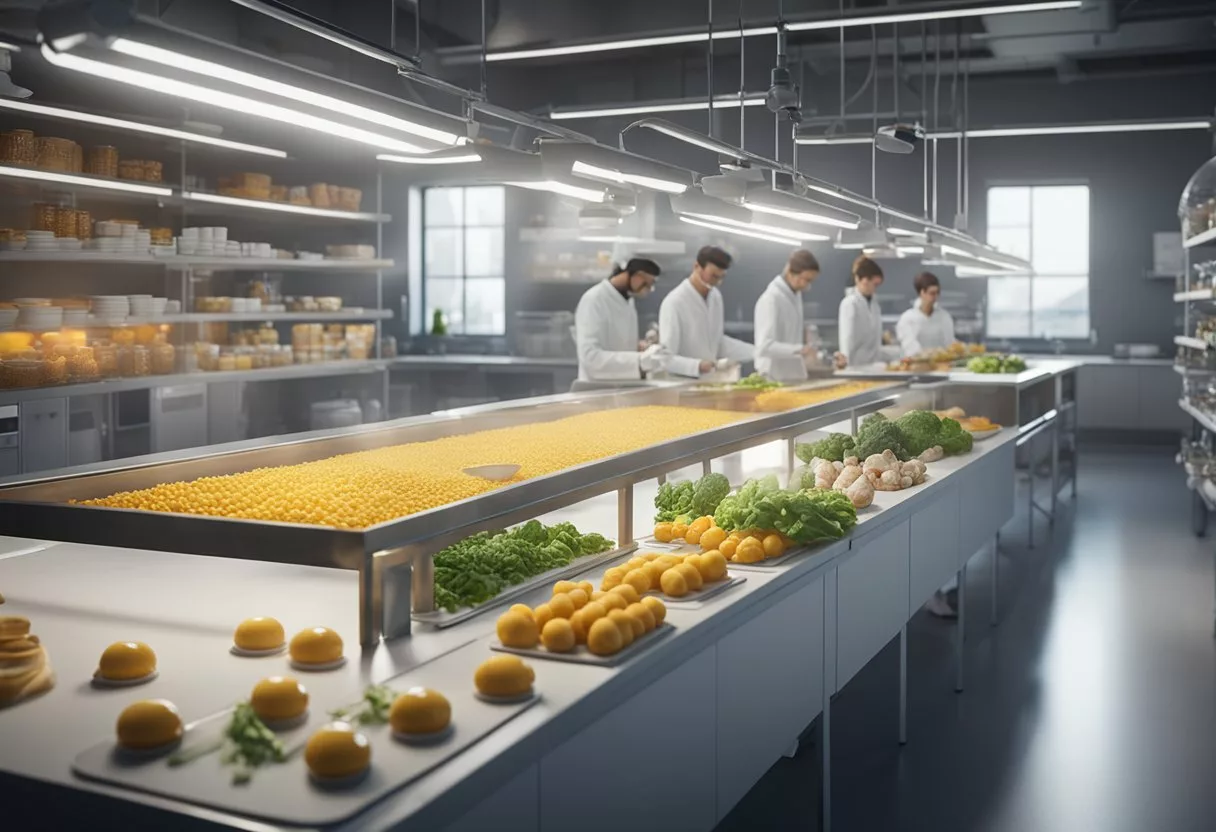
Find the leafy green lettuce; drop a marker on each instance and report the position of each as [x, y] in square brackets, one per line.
[806, 516]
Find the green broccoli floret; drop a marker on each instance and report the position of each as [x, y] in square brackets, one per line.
[921, 430]
[877, 434]
[673, 500]
[708, 492]
[836, 446]
[953, 439]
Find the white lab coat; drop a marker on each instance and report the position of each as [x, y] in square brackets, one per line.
[861, 331]
[919, 332]
[780, 331]
[606, 335]
[692, 329]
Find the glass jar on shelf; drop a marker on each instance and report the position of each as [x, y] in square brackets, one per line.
[105, 354]
[207, 356]
[227, 361]
[164, 358]
[16, 373]
[82, 364]
[134, 361]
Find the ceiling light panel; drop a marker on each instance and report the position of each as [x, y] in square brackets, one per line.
[177, 60]
[796, 234]
[464, 158]
[85, 181]
[940, 14]
[628, 43]
[137, 127]
[758, 235]
[224, 100]
[562, 188]
[763, 199]
[723, 102]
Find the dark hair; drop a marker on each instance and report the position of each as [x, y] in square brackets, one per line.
[803, 261]
[713, 254]
[638, 264]
[924, 280]
[865, 267]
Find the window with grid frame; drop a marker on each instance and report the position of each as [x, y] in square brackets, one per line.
[464, 266]
[1047, 225]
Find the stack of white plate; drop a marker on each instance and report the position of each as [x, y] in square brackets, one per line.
[8, 318]
[110, 307]
[112, 245]
[75, 316]
[147, 307]
[12, 245]
[41, 241]
[40, 318]
[68, 243]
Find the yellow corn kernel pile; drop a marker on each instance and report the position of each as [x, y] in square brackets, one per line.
[775, 401]
[356, 490]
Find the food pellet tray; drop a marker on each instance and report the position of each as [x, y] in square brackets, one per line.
[581, 655]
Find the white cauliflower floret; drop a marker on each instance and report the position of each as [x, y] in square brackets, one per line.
[876, 462]
[825, 474]
[931, 454]
[848, 475]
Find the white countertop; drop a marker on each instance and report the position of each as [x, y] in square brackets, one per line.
[81, 598]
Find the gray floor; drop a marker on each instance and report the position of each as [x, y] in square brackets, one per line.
[1092, 706]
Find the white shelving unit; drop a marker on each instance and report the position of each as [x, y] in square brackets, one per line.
[1194, 294]
[1190, 343]
[1201, 239]
[231, 264]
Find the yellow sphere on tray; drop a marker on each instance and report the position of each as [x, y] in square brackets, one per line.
[562, 587]
[579, 597]
[712, 566]
[259, 634]
[124, 661]
[642, 613]
[278, 698]
[657, 608]
[316, 645]
[692, 576]
[420, 711]
[562, 606]
[630, 592]
[504, 676]
[542, 615]
[151, 723]
[604, 637]
[558, 636]
[337, 751]
[517, 630]
[674, 584]
[613, 601]
[625, 624]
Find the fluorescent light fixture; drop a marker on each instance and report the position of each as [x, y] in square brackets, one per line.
[720, 103]
[9, 47]
[759, 235]
[861, 238]
[941, 14]
[731, 34]
[87, 181]
[910, 249]
[765, 200]
[556, 187]
[899, 231]
[797, 235]
[227, 101]
[689, 136]
[137, 127]
[830, 140]
[629, 43]
[621, 178]
[953, 253]
[1039, 130]
[431, 159]
[176, 60]
[285, 207]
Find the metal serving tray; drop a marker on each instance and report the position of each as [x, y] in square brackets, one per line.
[42, 508]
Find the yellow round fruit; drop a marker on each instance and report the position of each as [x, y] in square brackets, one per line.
[336, 751]
[662, 532]
[578, 625]
[593, 611]
[562, 606]
[632, 564]
[504, 676]
[316, 645]
[712, 538]
[278, 698]
[522, 609]
[562, 587]
[150, 723]
[542, 615]
[637, 579]
[692, 576]
[609, 581]
[579, 597]
[625, 623]
[727, 547]
[614, 601]
[657, 608]
[420, 711]
[674, 584]
[641, 612]
[712, 566]
[692, 537]
[598, 594]
[259, 634]
[616, 572]
[604, 637]
[630, 592]
[678, 530]
[654, 571]
[125, 660]
[558, 636]
[667, 561]
[649, 556]
[517, 630]
[773, 546]
[749, 551]
[701, 524]
[587, 587]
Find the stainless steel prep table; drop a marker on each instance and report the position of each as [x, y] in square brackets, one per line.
[834, 606]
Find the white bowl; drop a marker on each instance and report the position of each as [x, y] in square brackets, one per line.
[495, 473]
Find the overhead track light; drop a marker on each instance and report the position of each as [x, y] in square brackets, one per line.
[761, 31]
[722, 102]
[177, 60]
[562, 188]
[137, 127]
[765, 200]
[227, 101]
[861, 238]
[462, 156]
[605, 164]
[1039, 130]
[718, 225]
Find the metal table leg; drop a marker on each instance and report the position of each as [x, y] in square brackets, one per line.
[791, 458]
[707, 466]
[960, 634]
[825, 765]
[996, 574]
[624, 516]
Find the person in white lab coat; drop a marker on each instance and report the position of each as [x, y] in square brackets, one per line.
[860, 318]
[926, 326]
[692, 321]
[606, 326]
[780, 326]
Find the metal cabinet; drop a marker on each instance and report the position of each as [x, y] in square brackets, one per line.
[44, 434]
[871, 598]
[1107, 396]
[1160, 389]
